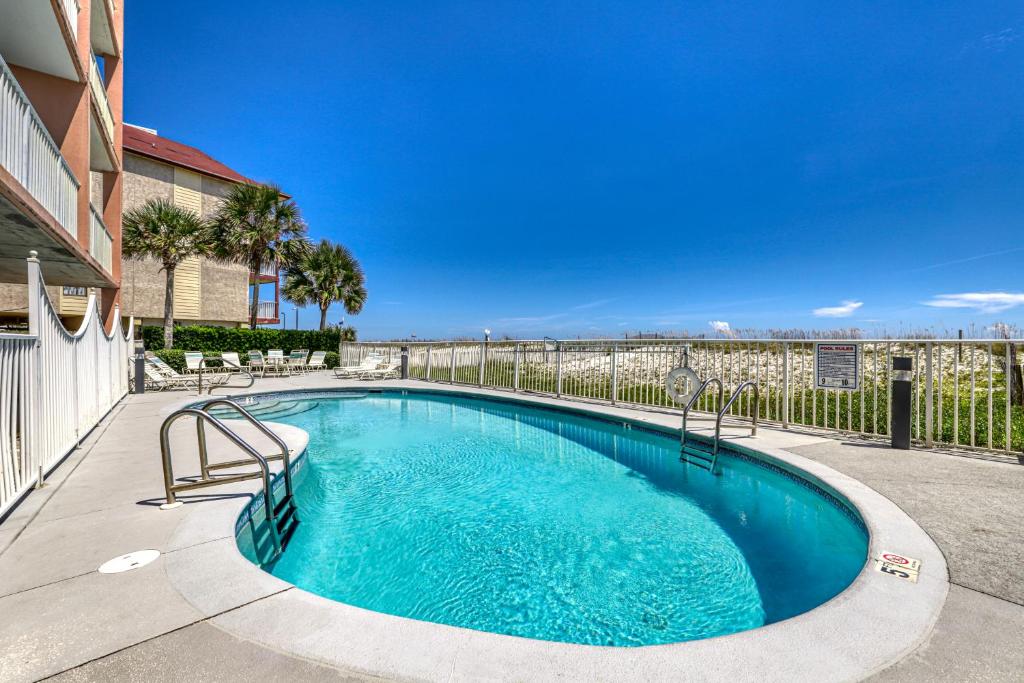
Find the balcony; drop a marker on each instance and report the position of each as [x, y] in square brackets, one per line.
[266, 313]
[102, 35]
[268, 272]
[101, 244]
[41, 36]
[101, 126]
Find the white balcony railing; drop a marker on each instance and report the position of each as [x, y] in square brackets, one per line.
[268, 269]
[29, 154]
[266, 310]
[71, 9]
[99, 96]
[101, 244]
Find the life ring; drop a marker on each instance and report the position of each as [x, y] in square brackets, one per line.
[691, 381]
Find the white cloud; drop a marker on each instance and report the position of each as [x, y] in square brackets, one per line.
[593, 304]
[983, 302]
[721, 327]
[844, 310]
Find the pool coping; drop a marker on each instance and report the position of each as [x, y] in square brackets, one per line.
[874, 623]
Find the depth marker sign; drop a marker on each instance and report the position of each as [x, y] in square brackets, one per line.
[837, 366]
[899, 566]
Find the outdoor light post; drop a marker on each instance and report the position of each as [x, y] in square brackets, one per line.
[902, 369]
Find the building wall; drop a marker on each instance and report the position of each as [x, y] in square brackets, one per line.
[204, 290]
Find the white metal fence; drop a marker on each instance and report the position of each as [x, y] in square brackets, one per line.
[55, 386]
[29, 154]
[965, 393]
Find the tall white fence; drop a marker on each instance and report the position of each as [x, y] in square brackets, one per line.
[965, 393]
[55, 386]
[29, 154]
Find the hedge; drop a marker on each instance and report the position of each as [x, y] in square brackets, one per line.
[176, 358]
[242, 339]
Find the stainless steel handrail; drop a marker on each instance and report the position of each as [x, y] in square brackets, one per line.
[749, 384]
[693, 400]
[202, 364]
[170, 488]
[266, 431]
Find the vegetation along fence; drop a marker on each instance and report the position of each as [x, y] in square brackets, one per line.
[55, 386]
[965, 393]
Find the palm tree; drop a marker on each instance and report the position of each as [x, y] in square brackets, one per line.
[328, 273]
[170, 234]
[257, 225]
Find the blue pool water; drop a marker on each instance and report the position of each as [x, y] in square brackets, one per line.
[505, 518]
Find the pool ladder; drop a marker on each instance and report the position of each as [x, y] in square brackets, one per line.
[702, 458]
[282, 516]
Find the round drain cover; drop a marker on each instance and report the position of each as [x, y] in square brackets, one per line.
[126, 563]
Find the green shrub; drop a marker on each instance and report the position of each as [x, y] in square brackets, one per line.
[332, 360]
[242, 339]
[173, 357]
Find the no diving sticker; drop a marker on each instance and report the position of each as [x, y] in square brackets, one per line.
[900, 566]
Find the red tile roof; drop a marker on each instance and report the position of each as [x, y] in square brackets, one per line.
[141, 141]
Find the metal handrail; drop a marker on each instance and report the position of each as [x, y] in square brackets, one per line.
[171, 488]
[693, 400]
[202, 364]
[266, 431]
[749, 384]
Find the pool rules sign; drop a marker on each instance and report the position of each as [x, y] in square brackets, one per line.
[836, 366]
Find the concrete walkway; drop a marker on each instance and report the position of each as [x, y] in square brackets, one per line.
[974, 511]
[61, 618]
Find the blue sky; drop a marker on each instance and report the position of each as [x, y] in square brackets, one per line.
[590, 169]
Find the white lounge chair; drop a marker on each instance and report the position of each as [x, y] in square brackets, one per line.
[231, 360]
[371, 362]
[316, 361]
[387, 371]
[172, 379]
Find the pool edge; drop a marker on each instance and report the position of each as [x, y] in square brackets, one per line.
[872, 624]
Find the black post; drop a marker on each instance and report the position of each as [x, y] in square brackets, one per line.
[899, 394]
[405, 362]
[140, 367]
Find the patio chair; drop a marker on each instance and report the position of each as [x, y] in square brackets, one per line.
[316, 361]
[387, 371]
[297, 360]
[371, 362]
[276, 361]
[231, 360]
[256, 363]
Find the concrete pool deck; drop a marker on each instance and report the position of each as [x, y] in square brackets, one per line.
[63, 618]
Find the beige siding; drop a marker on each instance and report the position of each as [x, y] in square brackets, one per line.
[188, 190]
[187, 290]
[70, 304]
[205, 291]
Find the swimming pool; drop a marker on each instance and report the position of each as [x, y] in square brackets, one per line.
[552, 525]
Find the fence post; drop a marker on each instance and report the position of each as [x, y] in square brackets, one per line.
[615, 372]
[429, 354]
[1011, 378]
[558, 369]
[785, 385]
[30, 450]
[515, 368]
[451, 380]
[929, 396]
[483, 360]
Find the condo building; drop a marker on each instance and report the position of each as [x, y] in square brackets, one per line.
[206, 292]
[69, 168]
[61, 168]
